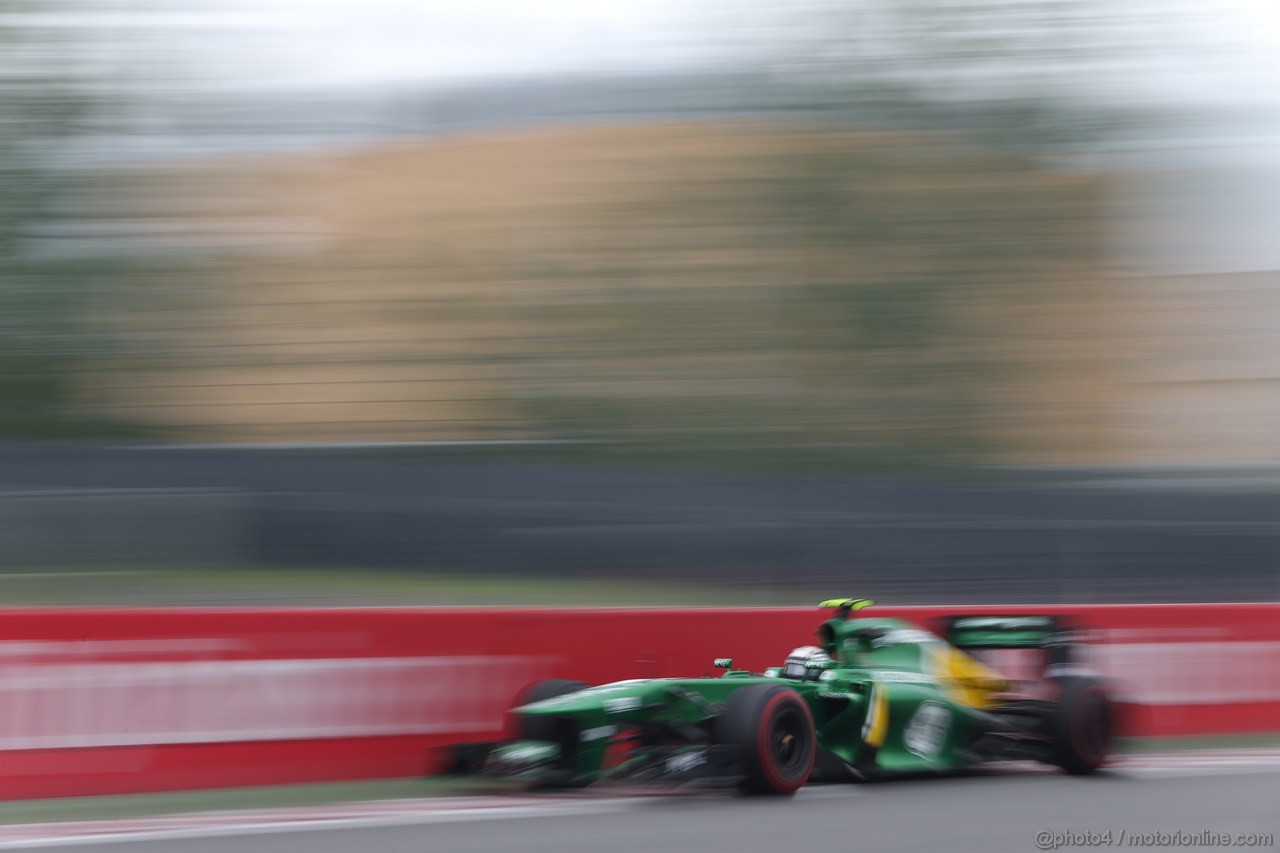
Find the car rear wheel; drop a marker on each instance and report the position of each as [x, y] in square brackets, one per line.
[1083, 725]
[773, 728]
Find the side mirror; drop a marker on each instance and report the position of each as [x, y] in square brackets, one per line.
[723, 663]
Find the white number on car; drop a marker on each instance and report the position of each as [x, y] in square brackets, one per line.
[926, 734]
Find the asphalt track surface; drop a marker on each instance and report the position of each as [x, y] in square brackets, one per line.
[989, 812]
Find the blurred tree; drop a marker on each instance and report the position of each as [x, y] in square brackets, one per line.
[47, 98]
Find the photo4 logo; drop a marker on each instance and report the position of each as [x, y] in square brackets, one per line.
[1051, 840]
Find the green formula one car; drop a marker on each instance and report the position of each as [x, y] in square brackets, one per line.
[876, 697]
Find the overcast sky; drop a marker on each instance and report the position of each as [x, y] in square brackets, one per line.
[361, 41]
[320, 43]
[323, 42]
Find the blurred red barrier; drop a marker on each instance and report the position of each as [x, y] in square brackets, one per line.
[115, 700]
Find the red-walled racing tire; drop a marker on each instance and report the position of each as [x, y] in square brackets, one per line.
[773, 727]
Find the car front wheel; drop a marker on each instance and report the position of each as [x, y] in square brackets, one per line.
[772, 726]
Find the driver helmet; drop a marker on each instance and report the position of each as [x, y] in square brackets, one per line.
[801, 660]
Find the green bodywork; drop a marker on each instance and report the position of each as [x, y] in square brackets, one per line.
[888, 700]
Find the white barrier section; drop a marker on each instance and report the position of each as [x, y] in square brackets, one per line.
[93, 704]
[1209, 672]
[1196, 673]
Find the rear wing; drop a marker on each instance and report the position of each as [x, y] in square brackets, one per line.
[1050, 633]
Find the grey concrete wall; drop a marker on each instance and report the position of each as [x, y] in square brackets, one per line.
[124, 527]
[1049, 537]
